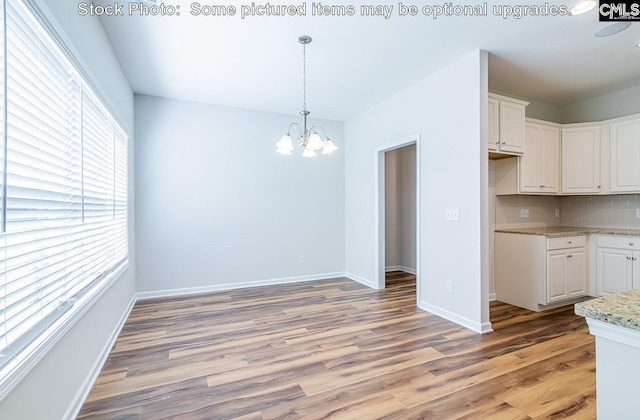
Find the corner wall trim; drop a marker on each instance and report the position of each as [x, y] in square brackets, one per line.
[480, 328]
[361, 280]
[85, 388]
[228, 286]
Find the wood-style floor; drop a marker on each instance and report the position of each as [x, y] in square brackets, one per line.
[336, 349]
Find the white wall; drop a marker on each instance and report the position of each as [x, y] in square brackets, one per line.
[612, 105]
[217, 207]
[57, 383]
[400, 209]
[447, 110]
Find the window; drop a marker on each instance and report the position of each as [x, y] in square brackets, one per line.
[63, 179]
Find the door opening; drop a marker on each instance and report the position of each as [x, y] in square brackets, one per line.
[398, 231]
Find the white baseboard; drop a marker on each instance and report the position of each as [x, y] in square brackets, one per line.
[492, 297]
[228, 286]
[481, 328]
[361, 280]
[83, 392]
[400, 268]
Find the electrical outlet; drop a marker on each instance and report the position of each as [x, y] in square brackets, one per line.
[524, 212]
[557, 213]
[637, 213]
[452, 215]
[450, 286]
[302, 259]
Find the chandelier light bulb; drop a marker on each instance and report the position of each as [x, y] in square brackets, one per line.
[328, 147]
[308, 152]
[285, 145]
[315, 142]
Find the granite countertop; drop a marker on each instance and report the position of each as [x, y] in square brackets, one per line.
[621, 309]
[570, 230]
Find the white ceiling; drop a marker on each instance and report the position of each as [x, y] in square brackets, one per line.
[355, 61]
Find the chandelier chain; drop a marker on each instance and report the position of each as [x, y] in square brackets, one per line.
[304, 77]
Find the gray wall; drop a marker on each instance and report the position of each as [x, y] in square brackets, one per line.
[217, 207]
[448, 111]
[612, 105]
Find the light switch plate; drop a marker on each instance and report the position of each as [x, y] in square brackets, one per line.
[557, 213]
[452, 215]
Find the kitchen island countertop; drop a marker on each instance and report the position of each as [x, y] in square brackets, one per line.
[622, 309]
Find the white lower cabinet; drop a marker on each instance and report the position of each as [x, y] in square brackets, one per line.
[565, 275]
[566, 269]
[539, 273]
[617, 265]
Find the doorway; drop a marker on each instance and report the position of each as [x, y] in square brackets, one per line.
[398, 209]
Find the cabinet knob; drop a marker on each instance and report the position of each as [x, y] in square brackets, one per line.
[569, 241]
[631, 244]
[633, 258]
[628, 258]
[598, 186]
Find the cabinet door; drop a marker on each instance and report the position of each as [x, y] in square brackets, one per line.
[614, 271]
[511, 127]
[581, 160]
[625, 156]
[530, 161]
[556, 276]
[576, 270]
[549, 139]
[494, 123]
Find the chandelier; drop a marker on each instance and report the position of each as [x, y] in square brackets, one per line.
[309, 137]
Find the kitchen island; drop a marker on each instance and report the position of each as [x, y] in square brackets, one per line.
[615, 322]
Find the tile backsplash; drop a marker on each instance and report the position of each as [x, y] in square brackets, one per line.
[541, 211]
[610, 211]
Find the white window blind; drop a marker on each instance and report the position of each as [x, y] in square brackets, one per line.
[64, 188]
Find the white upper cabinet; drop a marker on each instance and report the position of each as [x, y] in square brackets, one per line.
[506, 124]
[581, 159]
[540, 165]
[625, 156]
[493, 112]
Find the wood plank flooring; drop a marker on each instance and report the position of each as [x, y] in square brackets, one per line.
[336, 349]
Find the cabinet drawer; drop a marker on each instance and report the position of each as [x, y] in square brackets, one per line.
[566, 242]
[626, 242]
